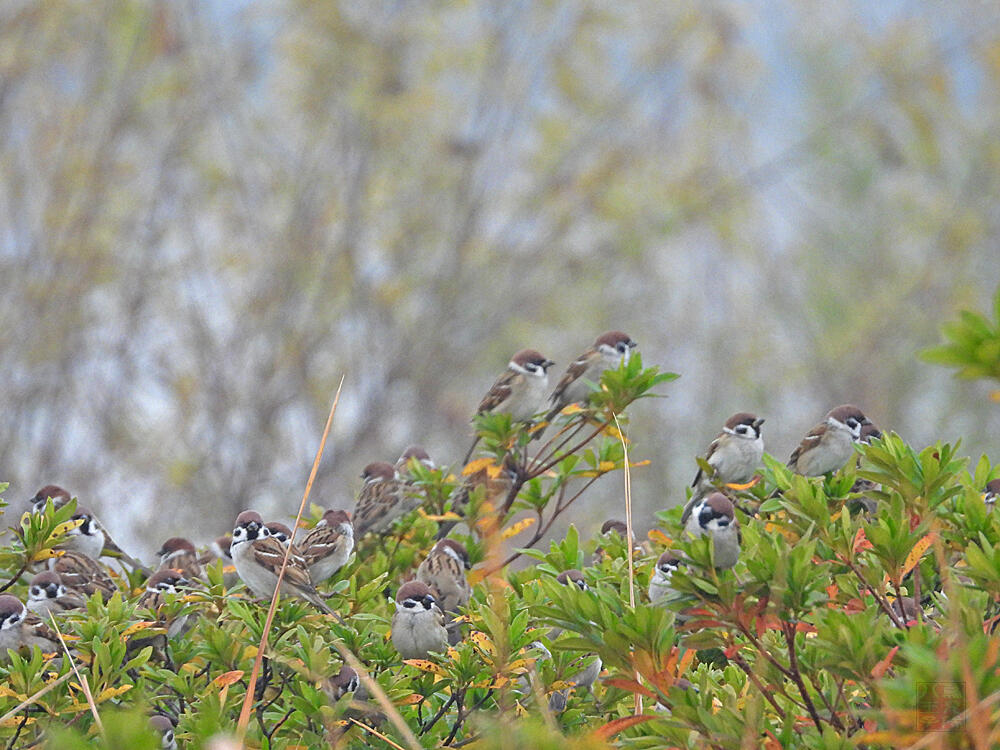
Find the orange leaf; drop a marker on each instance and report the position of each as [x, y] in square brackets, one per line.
[228, 678]
[612, 728]
[655, 535]
[752, 483]
[879, 669]
[410, 699]
[685, 662]
[917, 552]
[518, 527]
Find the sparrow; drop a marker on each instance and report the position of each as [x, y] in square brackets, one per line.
[279, 531]
[57, 494]
[521, 390]
[381, 500]
[444, 571]
[163, 726]
[258, 559]
[413, 451]
[715, 516]
[163, 583]
[82, 574]
[592, 671]
[219, 550]
[735, 454]
[869, 504]
[991, 493]
[47, 593]
[344, 682]
[659, 582]
[20, 628]
[829, 445]
[614, 526]
[179, 554]
[418, 624]
[92, 539]
[608, 351]
[327, 547]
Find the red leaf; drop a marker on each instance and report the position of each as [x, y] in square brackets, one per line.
[629, 685]
[731, 651]
[612, 728]
[879, 669]
[860, 542]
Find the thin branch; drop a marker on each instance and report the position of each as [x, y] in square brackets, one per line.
[14, 579]
[788, 629]
[742, 664]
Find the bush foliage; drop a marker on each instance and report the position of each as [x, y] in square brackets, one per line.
[806, 643]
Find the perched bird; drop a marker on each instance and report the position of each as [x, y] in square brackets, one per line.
[327, 547]
[829, 445]
[861, 485]
[659, 583]
[57, 494]
[614, 526]
[607, 352]
[991, 492]
[258, 559]
[47, 593]
[715, 516]
[165, 728]
[382, 499]
[734, 455]
[279, 531]
[163, 583]
[520, 391]
[589, 674]
[344, 682]
[19, 628]
[82, 574]
[418, 624]
[219, 550]
[93, 540]
[444, 571]
[413, 451]
[178, 553]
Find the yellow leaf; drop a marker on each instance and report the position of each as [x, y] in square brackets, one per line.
[571, 409]
[112, 692]
[481, 640]
[995, 396]
[250, 652]
[6, 692]
[478, 465]
[426, 666]
[449, 516]
[15, 721]
[561, 685]
[917, 552]
[638, 464]
[410, 699]
[45, 554]
[518, 527]
[606, 466]
[136, 627]
[612, 431]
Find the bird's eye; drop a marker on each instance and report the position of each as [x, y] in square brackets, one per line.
[852, 422]
[35, 591]
[742, 429]
[622, 347]
[531, 367]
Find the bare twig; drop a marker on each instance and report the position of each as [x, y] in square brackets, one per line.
[248, 698]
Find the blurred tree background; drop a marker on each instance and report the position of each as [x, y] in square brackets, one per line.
[211, 210]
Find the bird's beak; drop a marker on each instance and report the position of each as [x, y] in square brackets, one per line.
[547, 364]
[757, 423]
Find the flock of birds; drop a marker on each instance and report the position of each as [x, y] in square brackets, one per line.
[256, 550]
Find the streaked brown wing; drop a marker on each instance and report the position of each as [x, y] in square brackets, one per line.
[500, 391]
[573, 373]
[811, 438]
[321, 542]
[269, 553]
[39, 628]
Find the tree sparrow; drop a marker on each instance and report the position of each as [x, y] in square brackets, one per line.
[47, 593]
[608, 351]
[344, 682]
[614, 526]
[413, 451]
[258, 560]
[165, 728]
[991, 492]
[588, 675]
[57, 494]
[418, 624]
[735, 454]
[327, 546]
[82, 574]
[829, 445]
[20, 628]
[163, 583]
[179, 554]
[444, 571]
[869, 432]
[279, 531]
[715, 516]
[659, 582]
[93, 540]
[382, 500]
